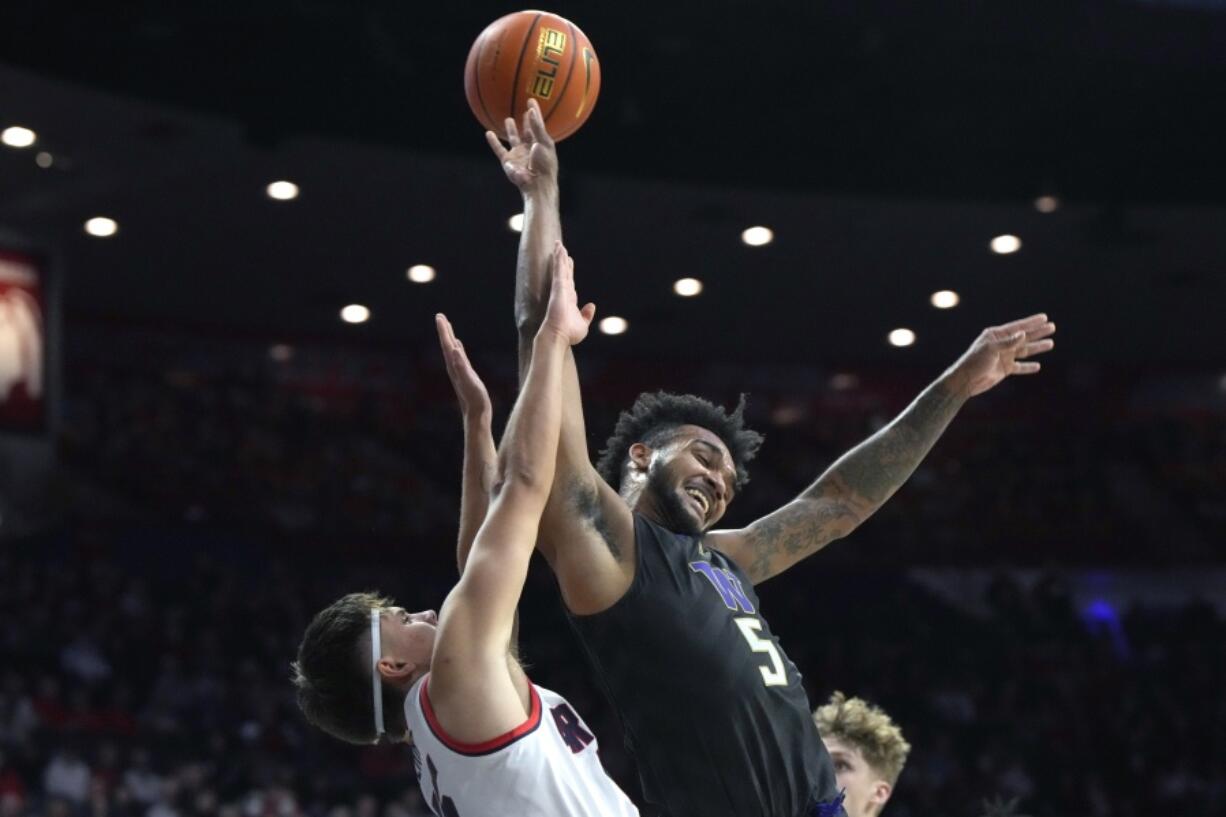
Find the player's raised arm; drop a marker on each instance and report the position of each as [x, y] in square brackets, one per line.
[587, 533]
[858, 483]
[475, 624]
[480, 455]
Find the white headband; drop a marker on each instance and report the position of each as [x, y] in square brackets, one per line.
[376, 686]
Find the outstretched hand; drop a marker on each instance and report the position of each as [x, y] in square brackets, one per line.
[529, 159]
[563, 314]
[1000, 351]
[469, 390]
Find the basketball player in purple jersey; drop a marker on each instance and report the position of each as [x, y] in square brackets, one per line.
[713, 711]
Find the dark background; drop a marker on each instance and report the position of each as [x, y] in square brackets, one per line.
[1040, 608]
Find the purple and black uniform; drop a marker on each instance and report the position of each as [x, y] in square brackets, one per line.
[714, 713]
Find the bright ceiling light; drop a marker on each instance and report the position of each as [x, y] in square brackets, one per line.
[282, 191]
[516, 222]
[614, 325]
[1047, 204]
[18, 137]
[687, 287]
[421, 273]
[902, 337]
[1005, 244]
[355, 313]
[758, 236]
[101, 227]
[945, 299]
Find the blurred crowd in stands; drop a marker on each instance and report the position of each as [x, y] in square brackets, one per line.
[208, 510]
[148, 676]
[364, 444]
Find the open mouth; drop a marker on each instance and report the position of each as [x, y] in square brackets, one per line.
[700, 499]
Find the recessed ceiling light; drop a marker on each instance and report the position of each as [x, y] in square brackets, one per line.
[516, 222]
[902, 337]
[1006, 244]
[614, 325]
[18, 137]
[101, 227]
[945, 299]
[281, 352]
[758, 236]
[355, 313]
[1047, 204]
[687, 287]
[44, 159]
[421, 273]
[282, 191]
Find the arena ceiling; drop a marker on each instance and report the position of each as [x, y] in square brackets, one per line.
[884, 143]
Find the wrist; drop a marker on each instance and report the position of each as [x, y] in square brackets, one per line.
[955, 382]
[543, 192]
[477, 419]
[549, 336]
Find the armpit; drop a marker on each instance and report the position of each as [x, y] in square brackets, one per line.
[585, 501]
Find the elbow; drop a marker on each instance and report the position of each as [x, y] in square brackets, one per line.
[528, 318]
[524, 479]
[838, 518]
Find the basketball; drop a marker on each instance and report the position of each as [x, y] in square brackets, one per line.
[532, 54]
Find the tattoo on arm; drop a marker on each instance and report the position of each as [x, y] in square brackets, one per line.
[796, 530]
[875, 469]
[851, 490]
[585, 499]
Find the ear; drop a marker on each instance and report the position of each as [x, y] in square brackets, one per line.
[881, 793]
[640, 457]
[395, 671]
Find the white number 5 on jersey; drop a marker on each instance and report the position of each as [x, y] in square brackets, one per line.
[775, 675]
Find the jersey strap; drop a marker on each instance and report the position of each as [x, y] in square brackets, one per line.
[485, 747]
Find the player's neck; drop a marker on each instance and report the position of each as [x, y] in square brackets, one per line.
[645, 504]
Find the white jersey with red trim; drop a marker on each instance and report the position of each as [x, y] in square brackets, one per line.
[548, 766]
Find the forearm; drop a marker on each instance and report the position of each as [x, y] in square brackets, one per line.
[849, 491]
[542, 230]
[529, 452]
[480, 469]
[869, 474]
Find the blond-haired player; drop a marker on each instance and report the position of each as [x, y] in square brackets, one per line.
[867, 749]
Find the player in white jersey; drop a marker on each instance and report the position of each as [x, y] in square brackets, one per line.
[486, 741]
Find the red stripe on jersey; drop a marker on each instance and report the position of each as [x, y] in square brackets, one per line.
[485, 747]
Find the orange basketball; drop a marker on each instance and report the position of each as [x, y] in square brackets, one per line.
[532, 54]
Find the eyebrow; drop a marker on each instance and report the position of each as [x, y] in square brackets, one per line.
[715, 449]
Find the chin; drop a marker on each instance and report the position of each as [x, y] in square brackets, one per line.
[691, 522]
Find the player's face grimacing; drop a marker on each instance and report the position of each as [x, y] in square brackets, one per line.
[866, 791]
[692, 479]
[408, 637]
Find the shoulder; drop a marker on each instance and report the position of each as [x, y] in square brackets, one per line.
[460, 738]
[733, 545]
[474, 711]
[591, 546]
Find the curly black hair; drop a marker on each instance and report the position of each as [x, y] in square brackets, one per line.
[654, 419]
